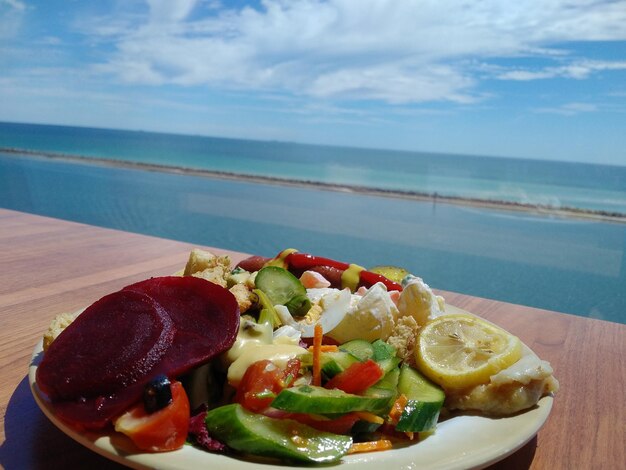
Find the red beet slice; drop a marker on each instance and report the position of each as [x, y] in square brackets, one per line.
[112, 344]
[204, 322]
[95, 413]
[203, 329]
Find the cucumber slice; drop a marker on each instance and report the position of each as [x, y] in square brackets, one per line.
[342, 358]
[319, 400]
[330, 368]
[387, 365]
[283, 288]
[386, 395]
[359, 348]
[333, 363]
[425, 400]
[389, 381]
[382, 350]
[364, 350]
[255, 434]
[386, 387]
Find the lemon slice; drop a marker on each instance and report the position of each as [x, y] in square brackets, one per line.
[461, 351]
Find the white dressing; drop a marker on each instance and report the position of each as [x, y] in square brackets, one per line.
[250, 332]
[279, 354]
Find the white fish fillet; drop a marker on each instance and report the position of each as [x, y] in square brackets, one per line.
[511, 390]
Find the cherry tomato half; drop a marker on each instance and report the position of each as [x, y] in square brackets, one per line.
[163, 430]
[262, 381]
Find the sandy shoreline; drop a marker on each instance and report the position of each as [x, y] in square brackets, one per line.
[434, 198]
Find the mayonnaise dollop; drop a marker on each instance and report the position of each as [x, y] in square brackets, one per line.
[279, 354]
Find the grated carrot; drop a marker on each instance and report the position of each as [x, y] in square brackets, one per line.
[371, 446]
[398, 408]
[326, 348]
[317, 346]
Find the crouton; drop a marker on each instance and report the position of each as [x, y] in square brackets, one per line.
[200, 260]
[56, 327]
[216, 275]
[206, 265]
[245, 297]
[403, 337]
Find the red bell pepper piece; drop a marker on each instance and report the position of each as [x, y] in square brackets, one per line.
[304, 261]
[356, 378]
[369, 278]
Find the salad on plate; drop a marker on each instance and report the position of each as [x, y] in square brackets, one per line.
[296, 358]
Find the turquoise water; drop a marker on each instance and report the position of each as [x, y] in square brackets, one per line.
[568, 265]
[596, 187]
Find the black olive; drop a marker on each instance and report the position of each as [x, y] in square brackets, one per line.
[157, 394]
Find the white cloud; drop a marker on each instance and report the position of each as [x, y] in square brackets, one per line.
[11, 14]
[14, 4]
[570, 109]
[393, 51]
[576, 70]
[170, 10]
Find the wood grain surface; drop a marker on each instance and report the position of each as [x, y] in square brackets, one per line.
[50, 266]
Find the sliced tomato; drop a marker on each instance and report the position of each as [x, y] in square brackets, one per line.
[163, 430]
[356, 378]
[291, 372]
[262, 381]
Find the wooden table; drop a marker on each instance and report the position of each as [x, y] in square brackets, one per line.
[49, 266]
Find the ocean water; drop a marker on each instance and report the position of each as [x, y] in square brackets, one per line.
[575, 266]
[558, 184]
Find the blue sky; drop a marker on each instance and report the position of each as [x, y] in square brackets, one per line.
[534, 79]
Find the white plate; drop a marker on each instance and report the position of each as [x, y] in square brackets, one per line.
[460, 442]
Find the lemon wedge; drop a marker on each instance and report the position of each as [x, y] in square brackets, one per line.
[462, 351]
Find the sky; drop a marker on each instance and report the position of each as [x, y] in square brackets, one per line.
[541, 79]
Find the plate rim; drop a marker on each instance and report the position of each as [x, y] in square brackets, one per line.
[102, 443]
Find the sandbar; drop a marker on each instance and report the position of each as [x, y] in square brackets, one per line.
[434, 198]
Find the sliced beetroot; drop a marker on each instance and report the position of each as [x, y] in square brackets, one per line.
[203, 329]
[97, 412]
[111, 345]
[199, 433]
[204, 322]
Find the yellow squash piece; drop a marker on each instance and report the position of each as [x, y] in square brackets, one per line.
[393, 273]
[461, 351]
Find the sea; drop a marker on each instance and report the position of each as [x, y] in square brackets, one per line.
[571, 264]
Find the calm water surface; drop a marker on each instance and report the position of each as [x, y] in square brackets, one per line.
[595, 187]
[567, 265]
